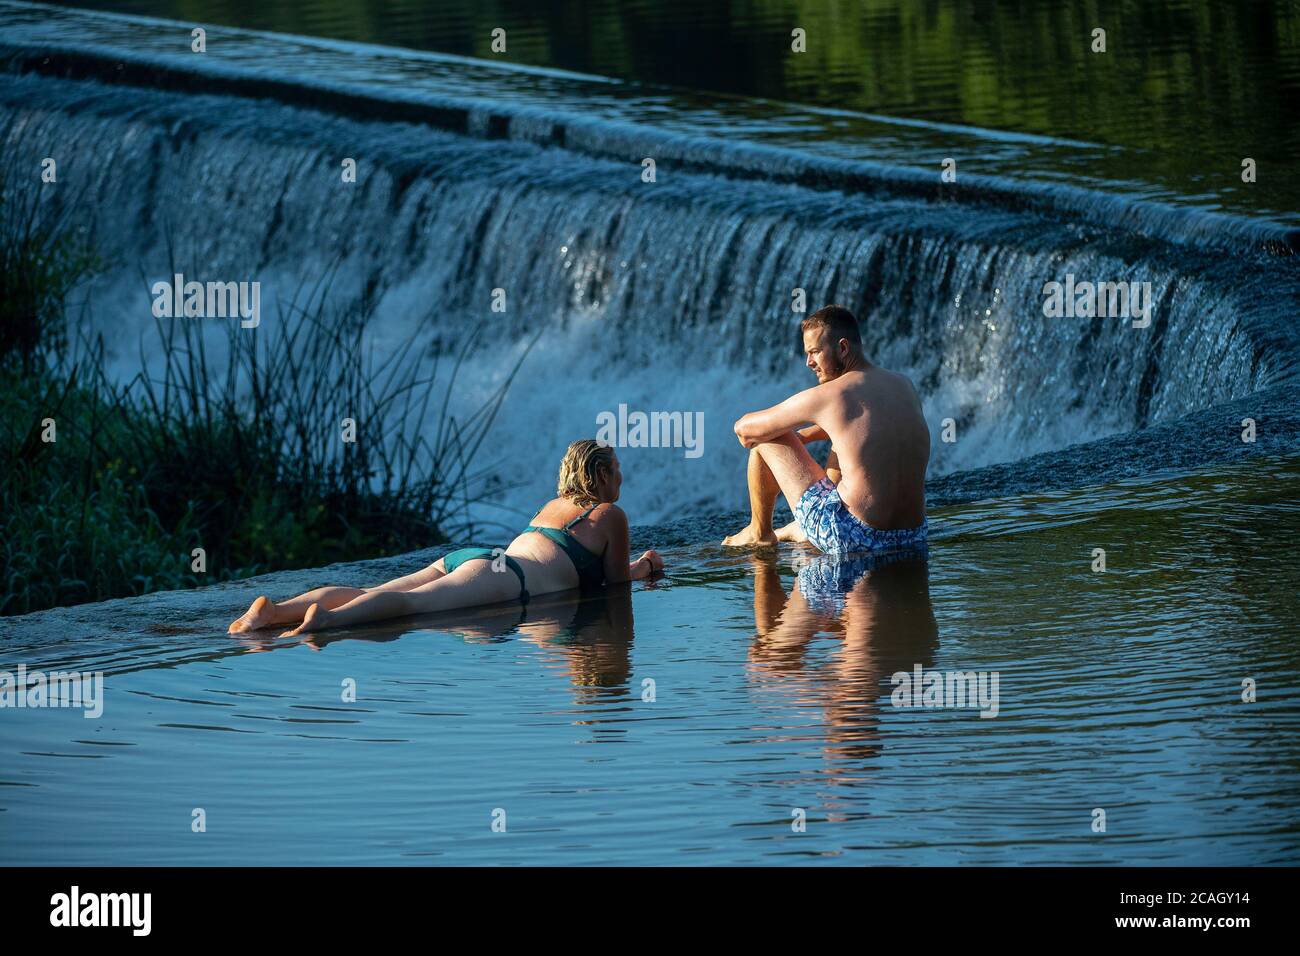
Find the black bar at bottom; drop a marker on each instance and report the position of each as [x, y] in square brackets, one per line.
[239, 904]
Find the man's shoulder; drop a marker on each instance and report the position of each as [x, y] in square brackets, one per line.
[888, 378]
[861, 380]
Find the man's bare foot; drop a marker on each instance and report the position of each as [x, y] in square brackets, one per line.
[314, 620]
[792, 532]
[260, 614]
[749, 536]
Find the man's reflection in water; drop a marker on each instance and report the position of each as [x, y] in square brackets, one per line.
[589, 635]
[876, 612]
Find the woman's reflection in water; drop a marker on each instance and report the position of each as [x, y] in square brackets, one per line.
[876, 613]
[592, 639]
[589, 635]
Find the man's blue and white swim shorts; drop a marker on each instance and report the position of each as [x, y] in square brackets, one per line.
[834, 529]
[825, 580]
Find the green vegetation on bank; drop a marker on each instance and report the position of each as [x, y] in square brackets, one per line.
[248, 463]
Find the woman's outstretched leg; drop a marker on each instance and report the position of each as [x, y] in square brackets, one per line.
[472, 584]
[266, 613]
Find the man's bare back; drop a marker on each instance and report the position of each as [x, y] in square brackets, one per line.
[874, 421]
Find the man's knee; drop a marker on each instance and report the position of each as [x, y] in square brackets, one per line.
[784, 440]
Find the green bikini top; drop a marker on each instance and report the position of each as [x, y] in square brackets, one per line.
[590, 567]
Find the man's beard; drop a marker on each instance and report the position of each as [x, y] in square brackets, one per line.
[831, 369]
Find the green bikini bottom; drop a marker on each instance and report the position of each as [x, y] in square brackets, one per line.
[454, 560]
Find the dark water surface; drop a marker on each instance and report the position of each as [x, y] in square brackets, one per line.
[1190, 86]
[1118, 691]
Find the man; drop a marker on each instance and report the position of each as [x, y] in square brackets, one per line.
[872, 494]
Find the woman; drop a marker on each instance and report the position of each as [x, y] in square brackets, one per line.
[579, 539]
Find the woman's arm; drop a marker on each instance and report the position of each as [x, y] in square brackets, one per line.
[618, 570]
[614, 522]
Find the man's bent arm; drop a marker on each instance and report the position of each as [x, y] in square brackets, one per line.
[763, 426]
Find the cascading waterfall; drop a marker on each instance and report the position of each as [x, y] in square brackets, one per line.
[674, 295]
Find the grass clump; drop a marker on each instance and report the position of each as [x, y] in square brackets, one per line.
[242, 455]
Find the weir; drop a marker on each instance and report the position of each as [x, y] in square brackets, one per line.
[624, 279]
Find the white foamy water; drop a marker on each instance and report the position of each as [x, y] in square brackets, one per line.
[665, 297]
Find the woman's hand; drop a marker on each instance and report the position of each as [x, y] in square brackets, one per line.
[648, 564]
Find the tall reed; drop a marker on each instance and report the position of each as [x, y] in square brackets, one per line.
[228, 440]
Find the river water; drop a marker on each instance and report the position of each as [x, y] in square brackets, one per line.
[696, 719]
[692, 721]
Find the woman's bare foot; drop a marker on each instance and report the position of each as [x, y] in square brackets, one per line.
[749, 535]
[791, 532]
[314, 620]
[260, 614]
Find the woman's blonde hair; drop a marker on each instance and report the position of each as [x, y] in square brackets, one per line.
[580, 469]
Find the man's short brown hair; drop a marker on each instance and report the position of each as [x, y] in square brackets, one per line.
[837, 321]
